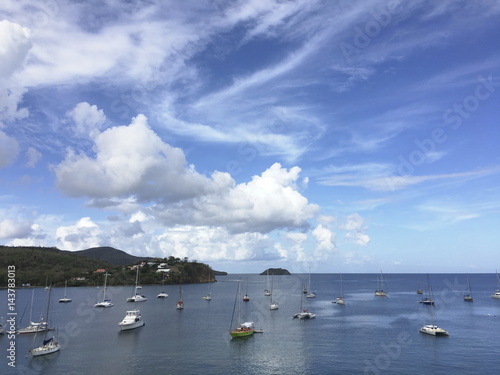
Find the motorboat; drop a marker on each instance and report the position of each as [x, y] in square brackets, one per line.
[132, 319]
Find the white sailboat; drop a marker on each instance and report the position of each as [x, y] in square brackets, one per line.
[34, 327]
[428, 299]
[132, 319]
[180, 302]
[105, 302]
[310, 294]
[380, 292]
[162, 294]
[66, 299]
[274, 305]
[340, 300]
[267, 292]
[49, 345]
[468, 295]
[136, 297]
[496, 293]
[208, 297]
[432, 329]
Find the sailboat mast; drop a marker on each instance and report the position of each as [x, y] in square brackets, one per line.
[234, 306]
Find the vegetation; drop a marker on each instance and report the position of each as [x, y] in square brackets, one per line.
[35, 266]
[276, 271]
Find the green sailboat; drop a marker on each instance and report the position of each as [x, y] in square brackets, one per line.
[242, 329]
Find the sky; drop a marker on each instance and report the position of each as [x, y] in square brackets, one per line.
[322, 136]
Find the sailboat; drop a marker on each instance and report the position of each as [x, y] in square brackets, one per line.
[380, 292]
[311, 294]
[274, 305]
[432, 329]
[243, 329]
[419, 291]
[34, 327]
[267, 292]
[132, 319]
[49, 345]
[162, 294]
[66, 298]
[105, 302]
[468, 296]
[304, 313]
[428, 300]
[46, 284]
[340, 300]
[246, 297]
[180, 303]
[496, 293]
[208, 297]
[136, 297]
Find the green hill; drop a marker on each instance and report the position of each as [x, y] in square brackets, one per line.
[111, 255]
[37, 266]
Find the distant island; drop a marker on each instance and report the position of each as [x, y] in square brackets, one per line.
[39, 266]
[276, 271]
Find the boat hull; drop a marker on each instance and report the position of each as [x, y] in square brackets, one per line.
[51, 347]
[241, 333]
[127, 327]
[380, 293]
[433, 331]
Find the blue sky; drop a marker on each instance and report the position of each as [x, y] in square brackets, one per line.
[326, 135]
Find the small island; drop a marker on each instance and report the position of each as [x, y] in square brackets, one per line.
[275, 271]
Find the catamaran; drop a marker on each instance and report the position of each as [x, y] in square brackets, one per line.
[105, 302]
[136, 297]
[243, 329]
[380, 292]
[65, 299]
[304, 313]
[49, 345]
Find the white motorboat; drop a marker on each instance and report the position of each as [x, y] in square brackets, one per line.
[65, 299]
[381, 291]
[431, 329]
[49, 345]
[136, 297]
[105, 302]
[132, 319]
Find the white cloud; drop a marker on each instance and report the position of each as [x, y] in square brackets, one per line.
[33, 156]
[325, 239]
[84, 234]
[355, 228]
[87, 118]
[9, 149]
[10, 228]
[15, 43]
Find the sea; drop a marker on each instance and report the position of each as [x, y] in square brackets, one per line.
[367, 335]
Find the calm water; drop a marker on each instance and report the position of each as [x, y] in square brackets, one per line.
[369, 335]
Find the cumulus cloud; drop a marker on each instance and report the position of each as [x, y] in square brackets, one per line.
[355, 229]
[325, 239]
[10, 228]
[84, 234]
[87, 118]
[133, 165]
